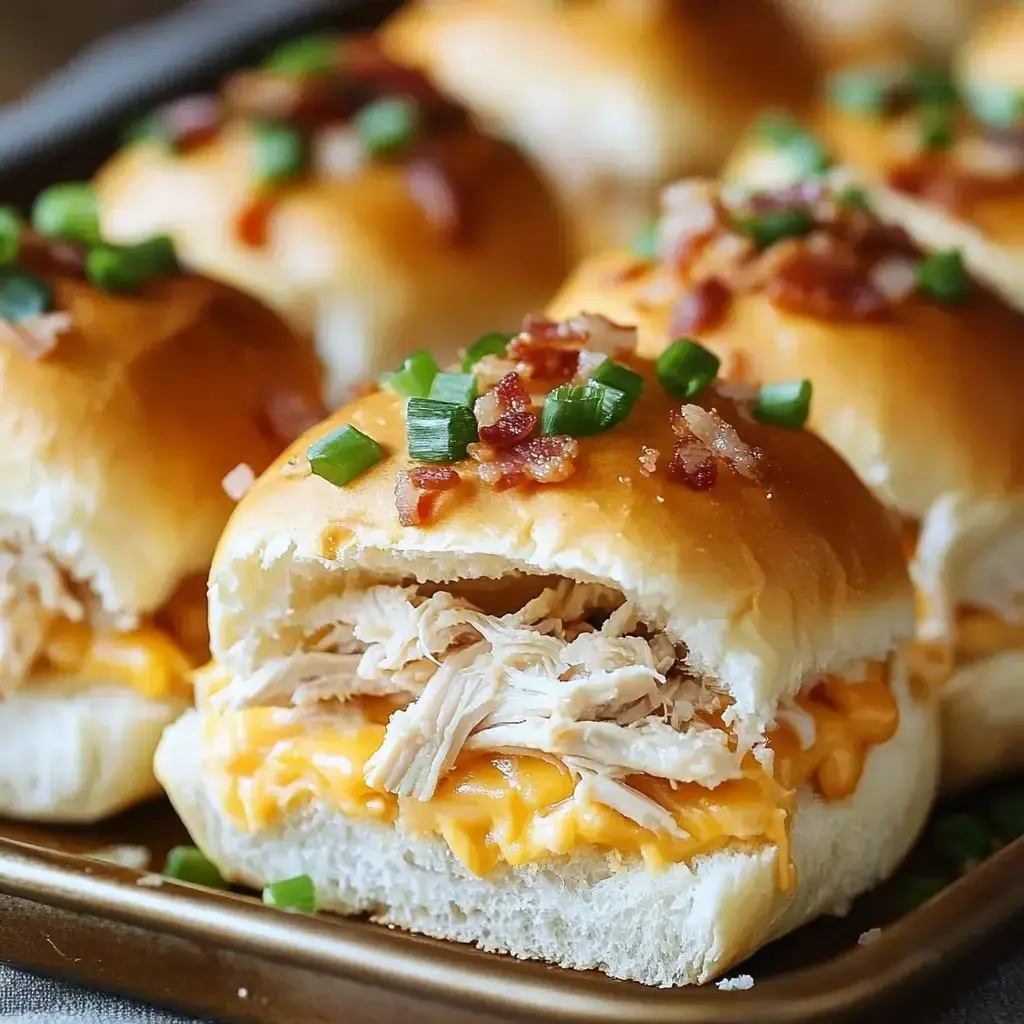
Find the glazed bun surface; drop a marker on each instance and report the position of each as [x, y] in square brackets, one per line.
[117, 441]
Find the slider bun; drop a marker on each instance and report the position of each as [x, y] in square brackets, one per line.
[763, 582]
[78, 752]
[355, 260]
[116, 443]
[610, 98]
[992, 54]
[687, 923]
[921, 403]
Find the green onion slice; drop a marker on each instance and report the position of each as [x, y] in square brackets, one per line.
[773, 225]
[686, 368]
[125, 268]
[930, 84]
[10, 235]
[617, 380]
[853, 197]
[786, 404]
[804, 153]
[311, 55]
[343, 454]
[961, 839]
[190, 864]
[645, 244]
[22, 296]
[995, 105]
[457, 388]
[438, 431]
[296, 893]
[69, 210]
[862, 90]
[414, 378]
[937, 121]
[279, 152]
[387, 125]
[942, 276]
[493, 344]
[574, 409]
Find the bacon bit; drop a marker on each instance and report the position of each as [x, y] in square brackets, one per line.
[504, 415]
[67, 256]
[309, 100]
[545, 349]
[544, 460]
[821, 286]
[628, 273]
[433, 190]
[692, 464]
[434, 478]
[587, 366]
[487, 409]
[894, 277]
[602, 335]
[648, 460]
[511, 428]
[36, 336]
[540, 328]
[252, 225]
[418, 492]
[238, 482]
[702, 308]
[287, 415]
[191, 121]
[721, 438]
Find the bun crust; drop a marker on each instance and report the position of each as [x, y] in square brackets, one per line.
[887, 393]
[117, 442]
[991, 56]
[354, 260]
[763, 582]
[75, 755]
[685, 924]
[675, 84]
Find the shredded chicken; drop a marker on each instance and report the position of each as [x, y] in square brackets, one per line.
[33, 594]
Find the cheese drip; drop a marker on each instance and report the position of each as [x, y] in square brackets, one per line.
[496, 809]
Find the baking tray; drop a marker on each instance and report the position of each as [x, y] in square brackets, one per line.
[226, 956]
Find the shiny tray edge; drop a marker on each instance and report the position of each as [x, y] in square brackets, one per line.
[906, 954]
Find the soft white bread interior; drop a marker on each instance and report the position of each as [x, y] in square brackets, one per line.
[684, 924]
[764, 582]
[78, 750]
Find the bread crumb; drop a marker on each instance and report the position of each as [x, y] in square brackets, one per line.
[243, 993]
[871, 935]
[150, 881]
[737, 984]
[125, 855]
[238, 482]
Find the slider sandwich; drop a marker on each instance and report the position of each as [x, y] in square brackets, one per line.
[344, 190]
[128, 391]
[611, 98]
[916, 371]
[561, 656]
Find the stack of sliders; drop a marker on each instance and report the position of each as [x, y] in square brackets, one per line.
[343, 189]
[943, 153]
[562, 654]
[916, 370]
[128, 391]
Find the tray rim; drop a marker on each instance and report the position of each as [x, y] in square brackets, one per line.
[905, 955]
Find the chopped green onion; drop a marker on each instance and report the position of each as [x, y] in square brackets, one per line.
[457, 388]
[853, 197]
[686, 368]
[616, 405]
[961, 839]
[343, 454]
[10, 235]
[1005, 813]
[190, 864]
[861, 90]
[310, 55]
[387, 124]
[438, 431]
[413, 379]
[937, 125]
[784, 405]
[773, 225]
[296, 893]
[995, 105]
[124, 268]
[915, 890]
[22, 296]
[802, 151]
[493, 344]
[70, 211]
[931, 84]
[645, 244]
[942, 276]
[573, 409]
[617, 381]
[279, 152]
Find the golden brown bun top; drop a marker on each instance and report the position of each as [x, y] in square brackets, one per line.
[921, 402]
[994, 53]
[764, 582]
[115, 444]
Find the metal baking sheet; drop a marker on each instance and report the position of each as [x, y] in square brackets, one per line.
[225, 955]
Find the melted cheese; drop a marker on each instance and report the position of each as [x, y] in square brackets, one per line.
[493, 809]
[146, 658]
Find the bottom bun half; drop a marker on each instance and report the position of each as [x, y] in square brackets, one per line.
[78, 755]
[681, 925]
